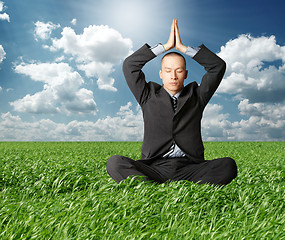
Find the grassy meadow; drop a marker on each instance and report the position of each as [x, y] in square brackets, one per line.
[61, 190]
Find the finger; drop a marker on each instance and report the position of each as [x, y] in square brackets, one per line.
[173, 26]
[176, 26]
[177, 34]
[172, 31]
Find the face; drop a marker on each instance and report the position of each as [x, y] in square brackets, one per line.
[173, 73]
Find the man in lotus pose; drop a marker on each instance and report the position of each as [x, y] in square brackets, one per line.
[172, 148]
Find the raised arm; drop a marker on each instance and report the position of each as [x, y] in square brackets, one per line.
[213, 64]
[132, 66]
[132, 69]
[215, 67]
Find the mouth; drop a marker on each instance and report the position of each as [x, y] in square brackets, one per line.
[173, 83]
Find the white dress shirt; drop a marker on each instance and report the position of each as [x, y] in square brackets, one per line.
[159, 49]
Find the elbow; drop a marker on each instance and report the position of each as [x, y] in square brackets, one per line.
[223, 65]
[128, 64]
[125, 63]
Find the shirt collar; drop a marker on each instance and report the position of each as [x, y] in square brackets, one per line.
[176, 95]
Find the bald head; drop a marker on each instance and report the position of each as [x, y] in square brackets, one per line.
[173, 55]
[173, 72]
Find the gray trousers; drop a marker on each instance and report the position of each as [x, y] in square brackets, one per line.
[219, 171]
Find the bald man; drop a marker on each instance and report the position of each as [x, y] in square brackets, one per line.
[172, 148]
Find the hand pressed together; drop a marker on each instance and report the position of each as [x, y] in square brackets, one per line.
[174, 39]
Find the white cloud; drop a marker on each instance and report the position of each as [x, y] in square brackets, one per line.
[3, 16]
[9, 89]
[126, 125]
[256, 76]
[74, 21]
[255, 68]
[101, 71]
[273, 111]
[266, 122]
[215, 125]
[1, 89]
[251, 74]
[97, 50]
[59, 59]
[44, 30]
[62, 90]
[14, 129]
[2, 54]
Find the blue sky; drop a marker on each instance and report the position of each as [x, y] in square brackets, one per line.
[61, 61]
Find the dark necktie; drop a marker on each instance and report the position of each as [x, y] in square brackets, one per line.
[174, 103]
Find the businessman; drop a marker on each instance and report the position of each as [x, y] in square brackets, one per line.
[172, 147]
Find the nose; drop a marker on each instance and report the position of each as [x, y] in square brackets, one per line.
[173, 75]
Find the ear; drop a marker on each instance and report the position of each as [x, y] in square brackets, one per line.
[160, 74]
[186, 74]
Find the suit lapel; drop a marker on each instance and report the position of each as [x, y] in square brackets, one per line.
[186, 93]
[165, 98]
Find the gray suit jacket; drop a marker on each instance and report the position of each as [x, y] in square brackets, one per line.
[161, 125]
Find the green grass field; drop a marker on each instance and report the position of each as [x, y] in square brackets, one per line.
[52, 190]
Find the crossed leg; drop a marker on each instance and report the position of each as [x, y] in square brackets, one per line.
[219, 171]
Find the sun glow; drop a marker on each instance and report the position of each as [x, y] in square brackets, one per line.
[134, 19]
